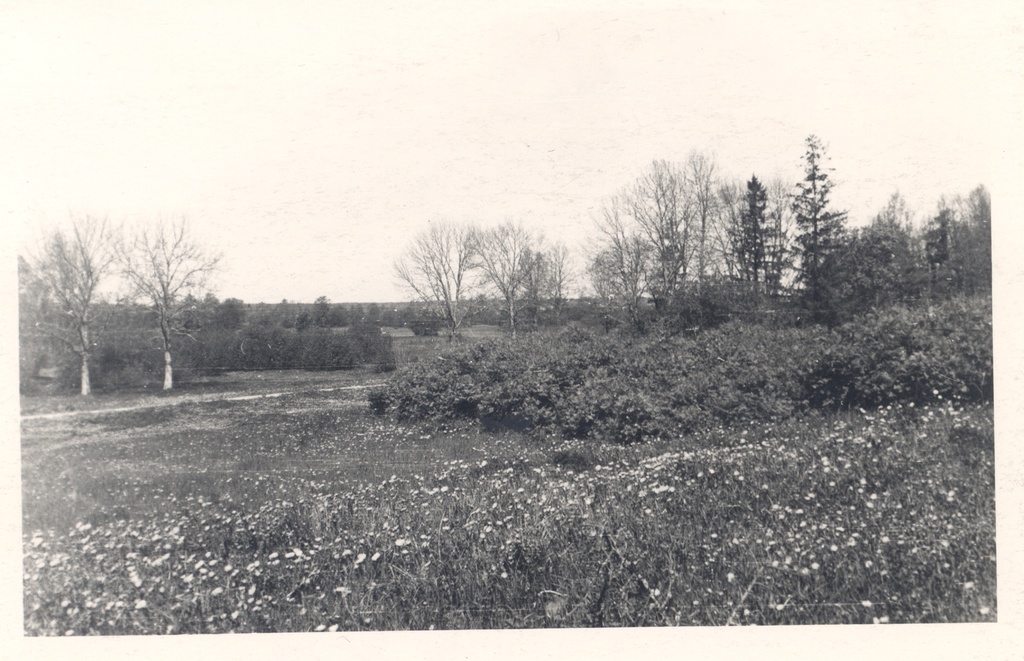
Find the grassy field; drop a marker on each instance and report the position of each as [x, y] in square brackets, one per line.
[301, 511]
[411, 348]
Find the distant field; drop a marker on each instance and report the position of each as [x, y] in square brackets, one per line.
[304, 512]
[411, 348]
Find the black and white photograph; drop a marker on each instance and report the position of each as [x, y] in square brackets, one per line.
[422, 329]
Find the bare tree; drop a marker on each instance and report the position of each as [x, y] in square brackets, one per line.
[72, 265]
[702, 186]
[560, 276]
[659, 205]
[731, 201]
[510, 261]
[163, 264]
[438, 267]
[779, 241]
[619, 270]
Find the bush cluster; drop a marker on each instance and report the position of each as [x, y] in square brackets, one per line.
[580, 385]
[902, 355]
[258, 347]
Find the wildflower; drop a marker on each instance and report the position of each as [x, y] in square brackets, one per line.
[984, 610]
[140, 604]
[217, 591]
[866, 604]
[730, 577]
[375, 557]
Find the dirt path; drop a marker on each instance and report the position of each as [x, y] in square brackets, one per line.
[185, 399]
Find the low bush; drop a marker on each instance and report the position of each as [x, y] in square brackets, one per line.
[898, 354]
[580, 385]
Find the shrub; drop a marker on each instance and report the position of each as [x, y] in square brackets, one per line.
[580, 385]
[908, 355]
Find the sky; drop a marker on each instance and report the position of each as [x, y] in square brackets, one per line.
[308, 142]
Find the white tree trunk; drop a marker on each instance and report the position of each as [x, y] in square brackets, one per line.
[168, 372]
[86, 386]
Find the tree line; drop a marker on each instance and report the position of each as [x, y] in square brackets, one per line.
[686, 247]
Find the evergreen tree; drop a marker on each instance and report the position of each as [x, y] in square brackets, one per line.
[749, 239]
[821, 232]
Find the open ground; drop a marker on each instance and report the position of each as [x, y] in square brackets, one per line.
[220, 508]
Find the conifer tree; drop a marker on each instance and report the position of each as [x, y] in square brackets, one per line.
[820, 231]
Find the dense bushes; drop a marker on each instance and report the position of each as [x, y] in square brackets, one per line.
[259, 347]
[579, 385]
[901, 355]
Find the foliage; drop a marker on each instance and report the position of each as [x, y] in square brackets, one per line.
[580, 385]
[917, 356]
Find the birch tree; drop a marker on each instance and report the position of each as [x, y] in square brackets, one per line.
[164, 264]
[72, 264]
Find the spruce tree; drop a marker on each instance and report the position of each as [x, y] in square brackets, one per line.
[821, 232]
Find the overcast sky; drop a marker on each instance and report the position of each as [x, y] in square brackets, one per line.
[309, 141]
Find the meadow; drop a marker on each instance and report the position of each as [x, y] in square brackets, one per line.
[280, 502]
